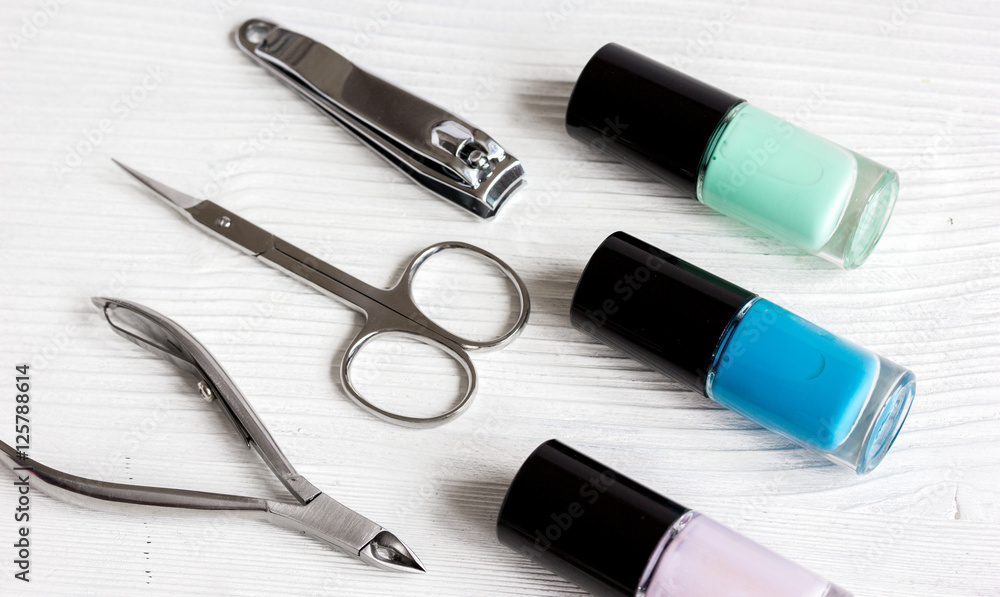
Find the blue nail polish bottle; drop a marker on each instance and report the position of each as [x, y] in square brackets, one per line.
[746, 353]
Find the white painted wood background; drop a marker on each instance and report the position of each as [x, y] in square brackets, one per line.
[911, 83]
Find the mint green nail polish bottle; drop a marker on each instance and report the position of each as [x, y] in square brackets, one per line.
[733, 156]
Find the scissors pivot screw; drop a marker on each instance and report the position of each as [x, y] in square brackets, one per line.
[224, 222]
[206, 392]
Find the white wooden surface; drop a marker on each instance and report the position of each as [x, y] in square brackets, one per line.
[912, 83]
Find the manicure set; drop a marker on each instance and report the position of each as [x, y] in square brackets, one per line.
[563, 510]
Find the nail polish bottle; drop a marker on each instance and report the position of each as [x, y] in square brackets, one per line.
[733, 156]
[744, 352]
[617, 538]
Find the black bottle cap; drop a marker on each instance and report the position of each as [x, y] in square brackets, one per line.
[646, 114]
[584, 521]
[656, 308]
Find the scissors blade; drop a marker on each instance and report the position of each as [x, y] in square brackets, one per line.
[213, 217]
[173, 197]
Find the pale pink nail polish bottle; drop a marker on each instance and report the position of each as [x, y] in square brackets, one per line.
[616, 538]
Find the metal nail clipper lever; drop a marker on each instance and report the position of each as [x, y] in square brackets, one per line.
[313, 512]
[440, 151]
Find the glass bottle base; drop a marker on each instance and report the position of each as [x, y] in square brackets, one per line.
[866, 215]
[698, 557]
[880, 421]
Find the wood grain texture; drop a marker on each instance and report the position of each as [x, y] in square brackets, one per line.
[910, 83]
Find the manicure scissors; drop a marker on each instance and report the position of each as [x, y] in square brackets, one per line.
[391, 311]
[314, 512]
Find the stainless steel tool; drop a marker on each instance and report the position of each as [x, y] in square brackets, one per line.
[386, 310]
[445, 154]
[313, 512]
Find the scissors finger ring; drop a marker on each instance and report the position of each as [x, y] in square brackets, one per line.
[383, 320]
